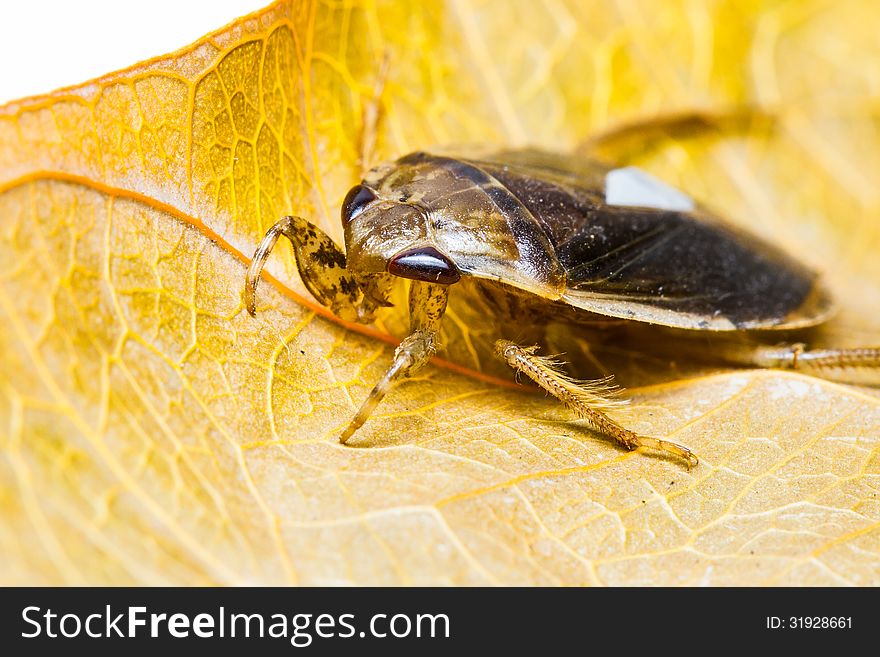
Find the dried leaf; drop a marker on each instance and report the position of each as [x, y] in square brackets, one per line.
[153, 433]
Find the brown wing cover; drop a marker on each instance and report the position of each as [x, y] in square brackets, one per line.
[689, 270]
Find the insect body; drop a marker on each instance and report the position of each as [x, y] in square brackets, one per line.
[573, 237]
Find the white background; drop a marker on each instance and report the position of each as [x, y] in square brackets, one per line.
[47, 44]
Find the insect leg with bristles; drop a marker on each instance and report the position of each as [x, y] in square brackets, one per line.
[427, 303]
[591, 400]
[859, 365]
[854, 365]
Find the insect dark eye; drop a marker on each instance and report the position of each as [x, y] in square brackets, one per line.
[424, 263]
[356, 201]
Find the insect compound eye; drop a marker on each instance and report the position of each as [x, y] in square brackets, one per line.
[356, 201]
[424, 263]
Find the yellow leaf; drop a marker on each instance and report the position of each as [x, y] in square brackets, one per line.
[153, 433]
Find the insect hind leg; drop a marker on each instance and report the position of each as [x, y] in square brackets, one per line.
[860, 365]
[591, 400]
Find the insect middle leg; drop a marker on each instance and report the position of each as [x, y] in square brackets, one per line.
[589, 399]
[427, 303]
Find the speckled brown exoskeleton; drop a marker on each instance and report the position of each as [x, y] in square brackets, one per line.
[569, 236]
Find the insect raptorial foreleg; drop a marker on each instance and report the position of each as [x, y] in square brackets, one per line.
[591, 400]
[321, 265]
[427, 303]
[855, 365]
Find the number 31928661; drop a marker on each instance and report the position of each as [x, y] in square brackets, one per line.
[809, 622]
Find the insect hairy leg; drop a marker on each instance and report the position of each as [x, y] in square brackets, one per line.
[591, 400]
[854, 365]
[427, 303]
[601, 394]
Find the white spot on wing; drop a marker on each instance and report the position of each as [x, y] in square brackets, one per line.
[630, 186]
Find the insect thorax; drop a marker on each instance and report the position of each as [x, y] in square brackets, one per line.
[454, 208]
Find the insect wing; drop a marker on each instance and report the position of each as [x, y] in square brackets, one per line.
[669, 267]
